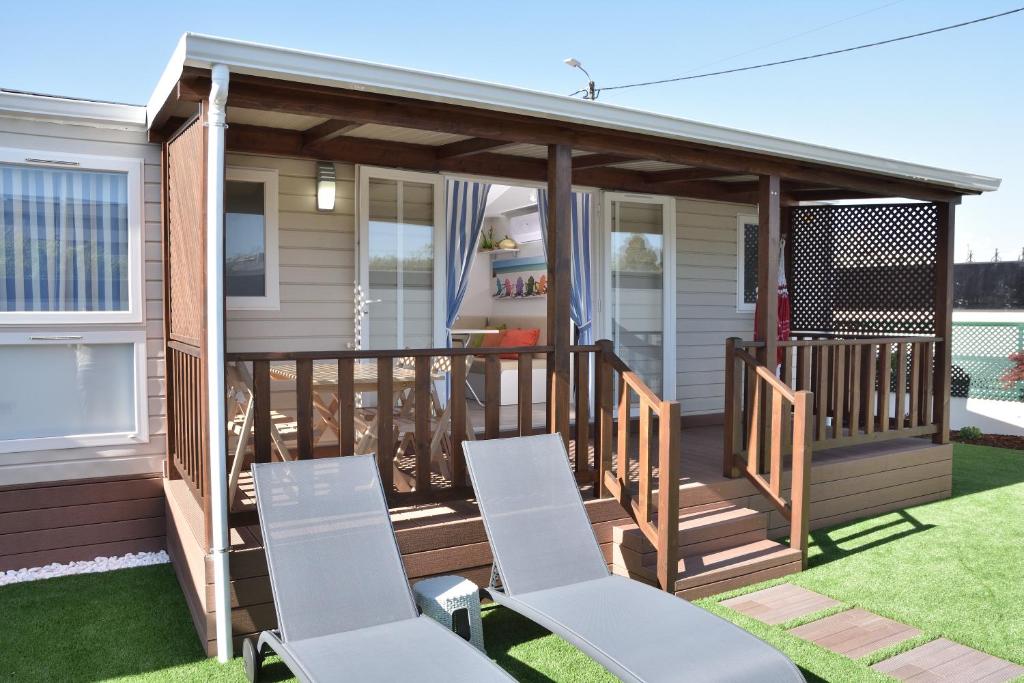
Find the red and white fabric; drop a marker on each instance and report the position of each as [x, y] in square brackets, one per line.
[785, 313]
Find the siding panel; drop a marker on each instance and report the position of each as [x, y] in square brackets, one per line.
[706, 300]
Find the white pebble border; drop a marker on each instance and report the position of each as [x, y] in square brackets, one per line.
[100, 564]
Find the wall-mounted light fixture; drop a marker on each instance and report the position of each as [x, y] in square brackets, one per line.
[326, 178]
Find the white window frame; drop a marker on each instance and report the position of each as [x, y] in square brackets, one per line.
[88, 337]
[271, 299]
[741, 245]
[133, 167]
[363, 176]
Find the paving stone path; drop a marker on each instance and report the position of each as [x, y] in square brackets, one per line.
[857, 632]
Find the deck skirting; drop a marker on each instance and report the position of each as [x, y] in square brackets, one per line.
[70, 521]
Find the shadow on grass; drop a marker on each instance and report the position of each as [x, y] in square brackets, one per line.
[505, 630]
[829, 540]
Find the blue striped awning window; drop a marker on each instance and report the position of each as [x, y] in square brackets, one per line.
[63, 239]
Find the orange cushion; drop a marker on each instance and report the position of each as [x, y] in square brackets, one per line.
[519, 336]
[489, 341]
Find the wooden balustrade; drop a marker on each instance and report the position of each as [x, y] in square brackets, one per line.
[767, 422]
[866, 388]
[826, 392]
[654, 500]
[304, 405]
[425, 429]
[187, 438]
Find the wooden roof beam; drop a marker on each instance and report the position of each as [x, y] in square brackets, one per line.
[328, 130]
[685, 175]
[273, 95]
[280, 142]
[596, 160]
[463, 148]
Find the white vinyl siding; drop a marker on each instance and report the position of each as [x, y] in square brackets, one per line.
[706, 300]
[57, 464]
[317, 265]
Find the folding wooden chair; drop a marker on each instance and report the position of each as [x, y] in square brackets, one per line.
[242, 408]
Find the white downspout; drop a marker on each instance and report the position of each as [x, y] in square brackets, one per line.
[216, 121]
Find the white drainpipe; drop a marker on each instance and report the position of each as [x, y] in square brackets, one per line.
[217, 122]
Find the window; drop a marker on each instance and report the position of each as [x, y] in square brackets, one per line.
[71, 260]
[250, 227]
[746, 262]
[95, 389]
[70, 239]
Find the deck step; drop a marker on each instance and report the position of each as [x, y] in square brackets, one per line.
[700, 531]
[704, 574]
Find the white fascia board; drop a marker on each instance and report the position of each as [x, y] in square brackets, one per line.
[168, 81]
[307, 67]
[67, 110]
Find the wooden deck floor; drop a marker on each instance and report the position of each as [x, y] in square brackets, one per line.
[701, 479]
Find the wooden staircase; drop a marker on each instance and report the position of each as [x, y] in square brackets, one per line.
[721, 547]
[696, 547]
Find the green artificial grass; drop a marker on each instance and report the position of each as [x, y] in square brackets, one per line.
[951, 568]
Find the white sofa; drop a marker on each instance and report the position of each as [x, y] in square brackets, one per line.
[509, 377]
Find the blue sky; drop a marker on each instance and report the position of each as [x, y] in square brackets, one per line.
[953, 100]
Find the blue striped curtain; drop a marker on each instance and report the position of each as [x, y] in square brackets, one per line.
[63, 240]
[465, 202]
[580, 302]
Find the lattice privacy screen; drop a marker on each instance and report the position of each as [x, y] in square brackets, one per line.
[750, 235]
[866, 268]
[981, 356]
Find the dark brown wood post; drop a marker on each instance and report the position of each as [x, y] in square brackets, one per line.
[768, 230]
[731, 432]
[769, 222]
[943, 319]
[559, 246]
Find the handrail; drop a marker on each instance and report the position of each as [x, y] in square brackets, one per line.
[774, 418]
[655, 511]
[767, 375]
[364, 354]
[795, 343]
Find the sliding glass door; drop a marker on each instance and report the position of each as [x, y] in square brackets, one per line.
[401, 258]
[638, 309]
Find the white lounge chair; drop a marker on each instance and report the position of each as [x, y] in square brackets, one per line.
[343, 603]
[552, 572]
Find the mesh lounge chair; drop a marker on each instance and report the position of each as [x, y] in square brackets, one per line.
[344, 608]
[552, 571]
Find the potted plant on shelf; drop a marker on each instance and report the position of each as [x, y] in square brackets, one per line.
[487, 240]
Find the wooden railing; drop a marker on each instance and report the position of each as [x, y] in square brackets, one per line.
[866, 388]
[622, 424]
[766, 421]
[415, 379]
[653, 502]
[187, 437]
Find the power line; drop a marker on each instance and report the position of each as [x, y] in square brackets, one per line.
[793, 36]
[814, 56]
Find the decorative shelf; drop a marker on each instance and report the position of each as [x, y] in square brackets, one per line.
[498, 251]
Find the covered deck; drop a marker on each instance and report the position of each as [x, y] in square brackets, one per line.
[809, 429]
